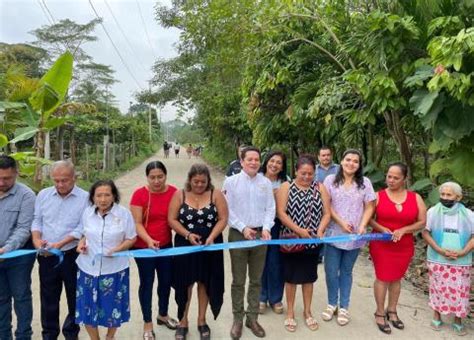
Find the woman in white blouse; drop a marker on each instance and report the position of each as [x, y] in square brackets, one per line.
[102, 280]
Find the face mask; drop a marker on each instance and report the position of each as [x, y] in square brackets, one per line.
[447, 203]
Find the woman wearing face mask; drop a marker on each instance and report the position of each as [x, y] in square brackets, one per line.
[449, 234]
[149, 206]
[274, 168]
[103, 281]
[401, 213]
[198, 215]
[303, 209]
[352, 205]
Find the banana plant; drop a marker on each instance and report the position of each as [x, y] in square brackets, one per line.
[37, 113]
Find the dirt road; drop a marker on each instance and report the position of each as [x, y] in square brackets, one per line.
[413, 309]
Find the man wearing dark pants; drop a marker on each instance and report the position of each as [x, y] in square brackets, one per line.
[58, 212]
[251, 203]
[16, 211]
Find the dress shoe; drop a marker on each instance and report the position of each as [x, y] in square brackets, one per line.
[255, 327]
[236, 330]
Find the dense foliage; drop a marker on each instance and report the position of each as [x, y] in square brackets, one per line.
[393, 78]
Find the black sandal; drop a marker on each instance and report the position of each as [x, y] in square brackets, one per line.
[181, 333]
[384, 327]
[396, 323]
[205, 332]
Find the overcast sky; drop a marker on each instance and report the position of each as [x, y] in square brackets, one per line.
[18, 17]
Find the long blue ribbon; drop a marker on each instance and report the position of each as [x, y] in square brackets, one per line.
[144, 253]
[23, 252]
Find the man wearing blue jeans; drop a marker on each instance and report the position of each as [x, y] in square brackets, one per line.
[16, 208]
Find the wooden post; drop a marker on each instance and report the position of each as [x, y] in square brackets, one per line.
[87, 162]
[105, 158]
[97, 159]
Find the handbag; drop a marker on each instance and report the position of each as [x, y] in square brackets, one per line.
[286, 233]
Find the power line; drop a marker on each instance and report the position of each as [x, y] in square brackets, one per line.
[125, 36]
[49, 12]
[114, 46]
[146, 31]
[45, 12]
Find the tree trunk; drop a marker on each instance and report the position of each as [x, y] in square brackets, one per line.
[38, 178]
[365, 148]
[393, 124]
[380, 151]
[60, 143]
[72, 147]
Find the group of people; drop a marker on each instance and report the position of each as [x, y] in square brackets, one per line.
[190, 150]
[257, 202]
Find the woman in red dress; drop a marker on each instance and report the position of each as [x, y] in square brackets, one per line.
[401, 213]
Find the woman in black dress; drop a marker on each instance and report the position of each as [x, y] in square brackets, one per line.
[198, 215]
[302, 207]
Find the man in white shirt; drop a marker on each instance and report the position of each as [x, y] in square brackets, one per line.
[56, 224]
[251, 204]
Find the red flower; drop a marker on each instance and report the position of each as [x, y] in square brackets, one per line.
[453, 270]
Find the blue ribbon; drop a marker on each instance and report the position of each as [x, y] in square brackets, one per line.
[23, 252]
[144, 253]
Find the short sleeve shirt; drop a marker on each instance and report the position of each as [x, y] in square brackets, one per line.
[156, 222]
[348, 203]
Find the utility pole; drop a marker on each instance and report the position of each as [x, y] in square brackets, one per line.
[106, 136]
[149, 114]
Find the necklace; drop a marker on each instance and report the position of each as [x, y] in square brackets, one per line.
[398, 206]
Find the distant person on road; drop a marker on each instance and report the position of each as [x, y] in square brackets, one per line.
[352, 206]
[57, 224]
[251, 203]
[149, 205]
[16, 211]
[198, 215]
[166, 149]
[103, 285]
[401, 213]
[274, 168]
[177, 149]
[449, 233]
[235, 166]
[189, 150]
[304, 211]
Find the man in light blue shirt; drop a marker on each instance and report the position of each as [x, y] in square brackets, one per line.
[56, 224]
[16, 210]
[326, 166]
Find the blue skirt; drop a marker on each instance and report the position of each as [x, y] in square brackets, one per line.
[103, 300]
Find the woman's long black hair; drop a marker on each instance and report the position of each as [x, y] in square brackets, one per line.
[282, 174]
[358, 176]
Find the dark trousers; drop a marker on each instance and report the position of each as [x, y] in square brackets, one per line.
[146, 270]
[52, 279]
[15, 284]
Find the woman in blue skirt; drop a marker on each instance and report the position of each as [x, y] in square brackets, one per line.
[102, 297]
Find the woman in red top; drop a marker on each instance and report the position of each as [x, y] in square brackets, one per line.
[401, 213]
[149, 206]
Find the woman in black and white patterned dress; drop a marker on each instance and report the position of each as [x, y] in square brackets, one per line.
[198, 215]
[302, 207]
